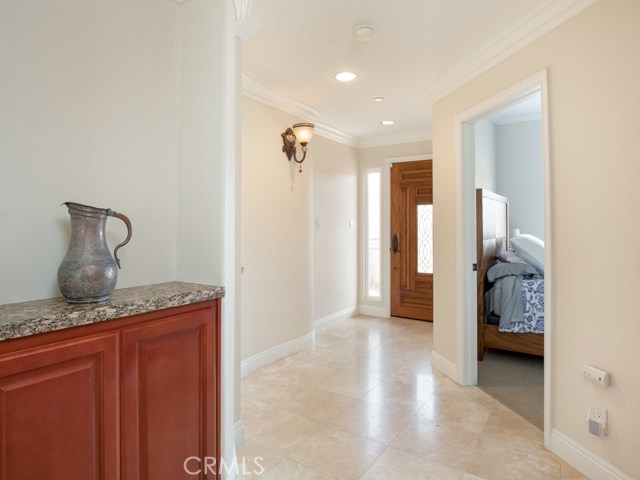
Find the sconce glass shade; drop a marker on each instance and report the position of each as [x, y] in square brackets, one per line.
[303, 132]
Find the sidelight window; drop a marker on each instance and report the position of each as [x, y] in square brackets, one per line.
[372, 233]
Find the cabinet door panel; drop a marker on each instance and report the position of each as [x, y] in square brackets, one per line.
[168, 395]
[59, 411]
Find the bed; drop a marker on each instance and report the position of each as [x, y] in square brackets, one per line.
[523, 335]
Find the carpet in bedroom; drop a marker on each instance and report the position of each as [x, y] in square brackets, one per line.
[515, 380]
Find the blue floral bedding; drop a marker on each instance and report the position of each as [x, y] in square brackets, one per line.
[532, 292]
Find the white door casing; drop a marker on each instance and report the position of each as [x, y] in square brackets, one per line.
[466, 321]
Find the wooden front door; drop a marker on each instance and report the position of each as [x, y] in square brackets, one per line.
[412, 240]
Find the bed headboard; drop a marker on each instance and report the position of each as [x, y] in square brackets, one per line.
[492, 239]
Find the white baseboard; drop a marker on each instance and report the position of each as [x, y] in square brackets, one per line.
[583, 460]
[273, 354]
[372, 311]
[445, 366]
[278, 352]
[324, 322]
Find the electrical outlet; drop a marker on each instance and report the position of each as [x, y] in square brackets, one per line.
[597, 419]
[597, 376]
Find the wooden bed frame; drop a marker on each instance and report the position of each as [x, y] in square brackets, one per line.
[492, 237]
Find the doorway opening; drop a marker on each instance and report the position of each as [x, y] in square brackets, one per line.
[469, 167]
[510, 188]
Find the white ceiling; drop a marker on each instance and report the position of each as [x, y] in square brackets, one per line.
[420, 51]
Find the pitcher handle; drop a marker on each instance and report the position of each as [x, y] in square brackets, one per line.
[127, 222]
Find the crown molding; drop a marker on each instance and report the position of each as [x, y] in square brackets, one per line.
[258, 92]
[336, 135]
[265, 95]
[547, 17]
[394, 139]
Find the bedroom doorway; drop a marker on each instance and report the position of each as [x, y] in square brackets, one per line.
[466, 124]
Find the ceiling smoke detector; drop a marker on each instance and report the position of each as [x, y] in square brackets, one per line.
[363, 32]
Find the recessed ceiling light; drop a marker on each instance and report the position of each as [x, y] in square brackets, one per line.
[387, 122]
[378, 99]
[345, 76]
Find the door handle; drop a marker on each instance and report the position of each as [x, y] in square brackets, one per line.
[394, 244]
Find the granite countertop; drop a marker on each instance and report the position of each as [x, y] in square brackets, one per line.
[40, 316]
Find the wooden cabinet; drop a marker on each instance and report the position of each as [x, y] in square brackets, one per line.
[127, 399]
[59, 411]
[168, 392]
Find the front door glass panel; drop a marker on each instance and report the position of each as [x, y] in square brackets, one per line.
[425, 238]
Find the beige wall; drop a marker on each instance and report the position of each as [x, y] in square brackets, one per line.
[276, 224]
[88, 113]
[202, 144]
[298, 249]
[118, 104]
[114, 105]
[594, 103]
[300, 231]
[335, 232]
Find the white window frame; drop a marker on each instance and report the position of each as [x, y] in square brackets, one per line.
[366, 239]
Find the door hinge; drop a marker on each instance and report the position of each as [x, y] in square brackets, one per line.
[474, 267]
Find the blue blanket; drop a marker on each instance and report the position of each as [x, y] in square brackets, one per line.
[532, 296]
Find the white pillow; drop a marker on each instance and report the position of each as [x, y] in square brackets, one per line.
[530, 249]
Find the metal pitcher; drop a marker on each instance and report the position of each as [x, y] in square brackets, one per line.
[88, 272]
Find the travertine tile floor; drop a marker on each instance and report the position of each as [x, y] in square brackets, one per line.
[364, 403]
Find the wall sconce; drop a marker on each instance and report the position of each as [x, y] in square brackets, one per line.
[303, 133]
